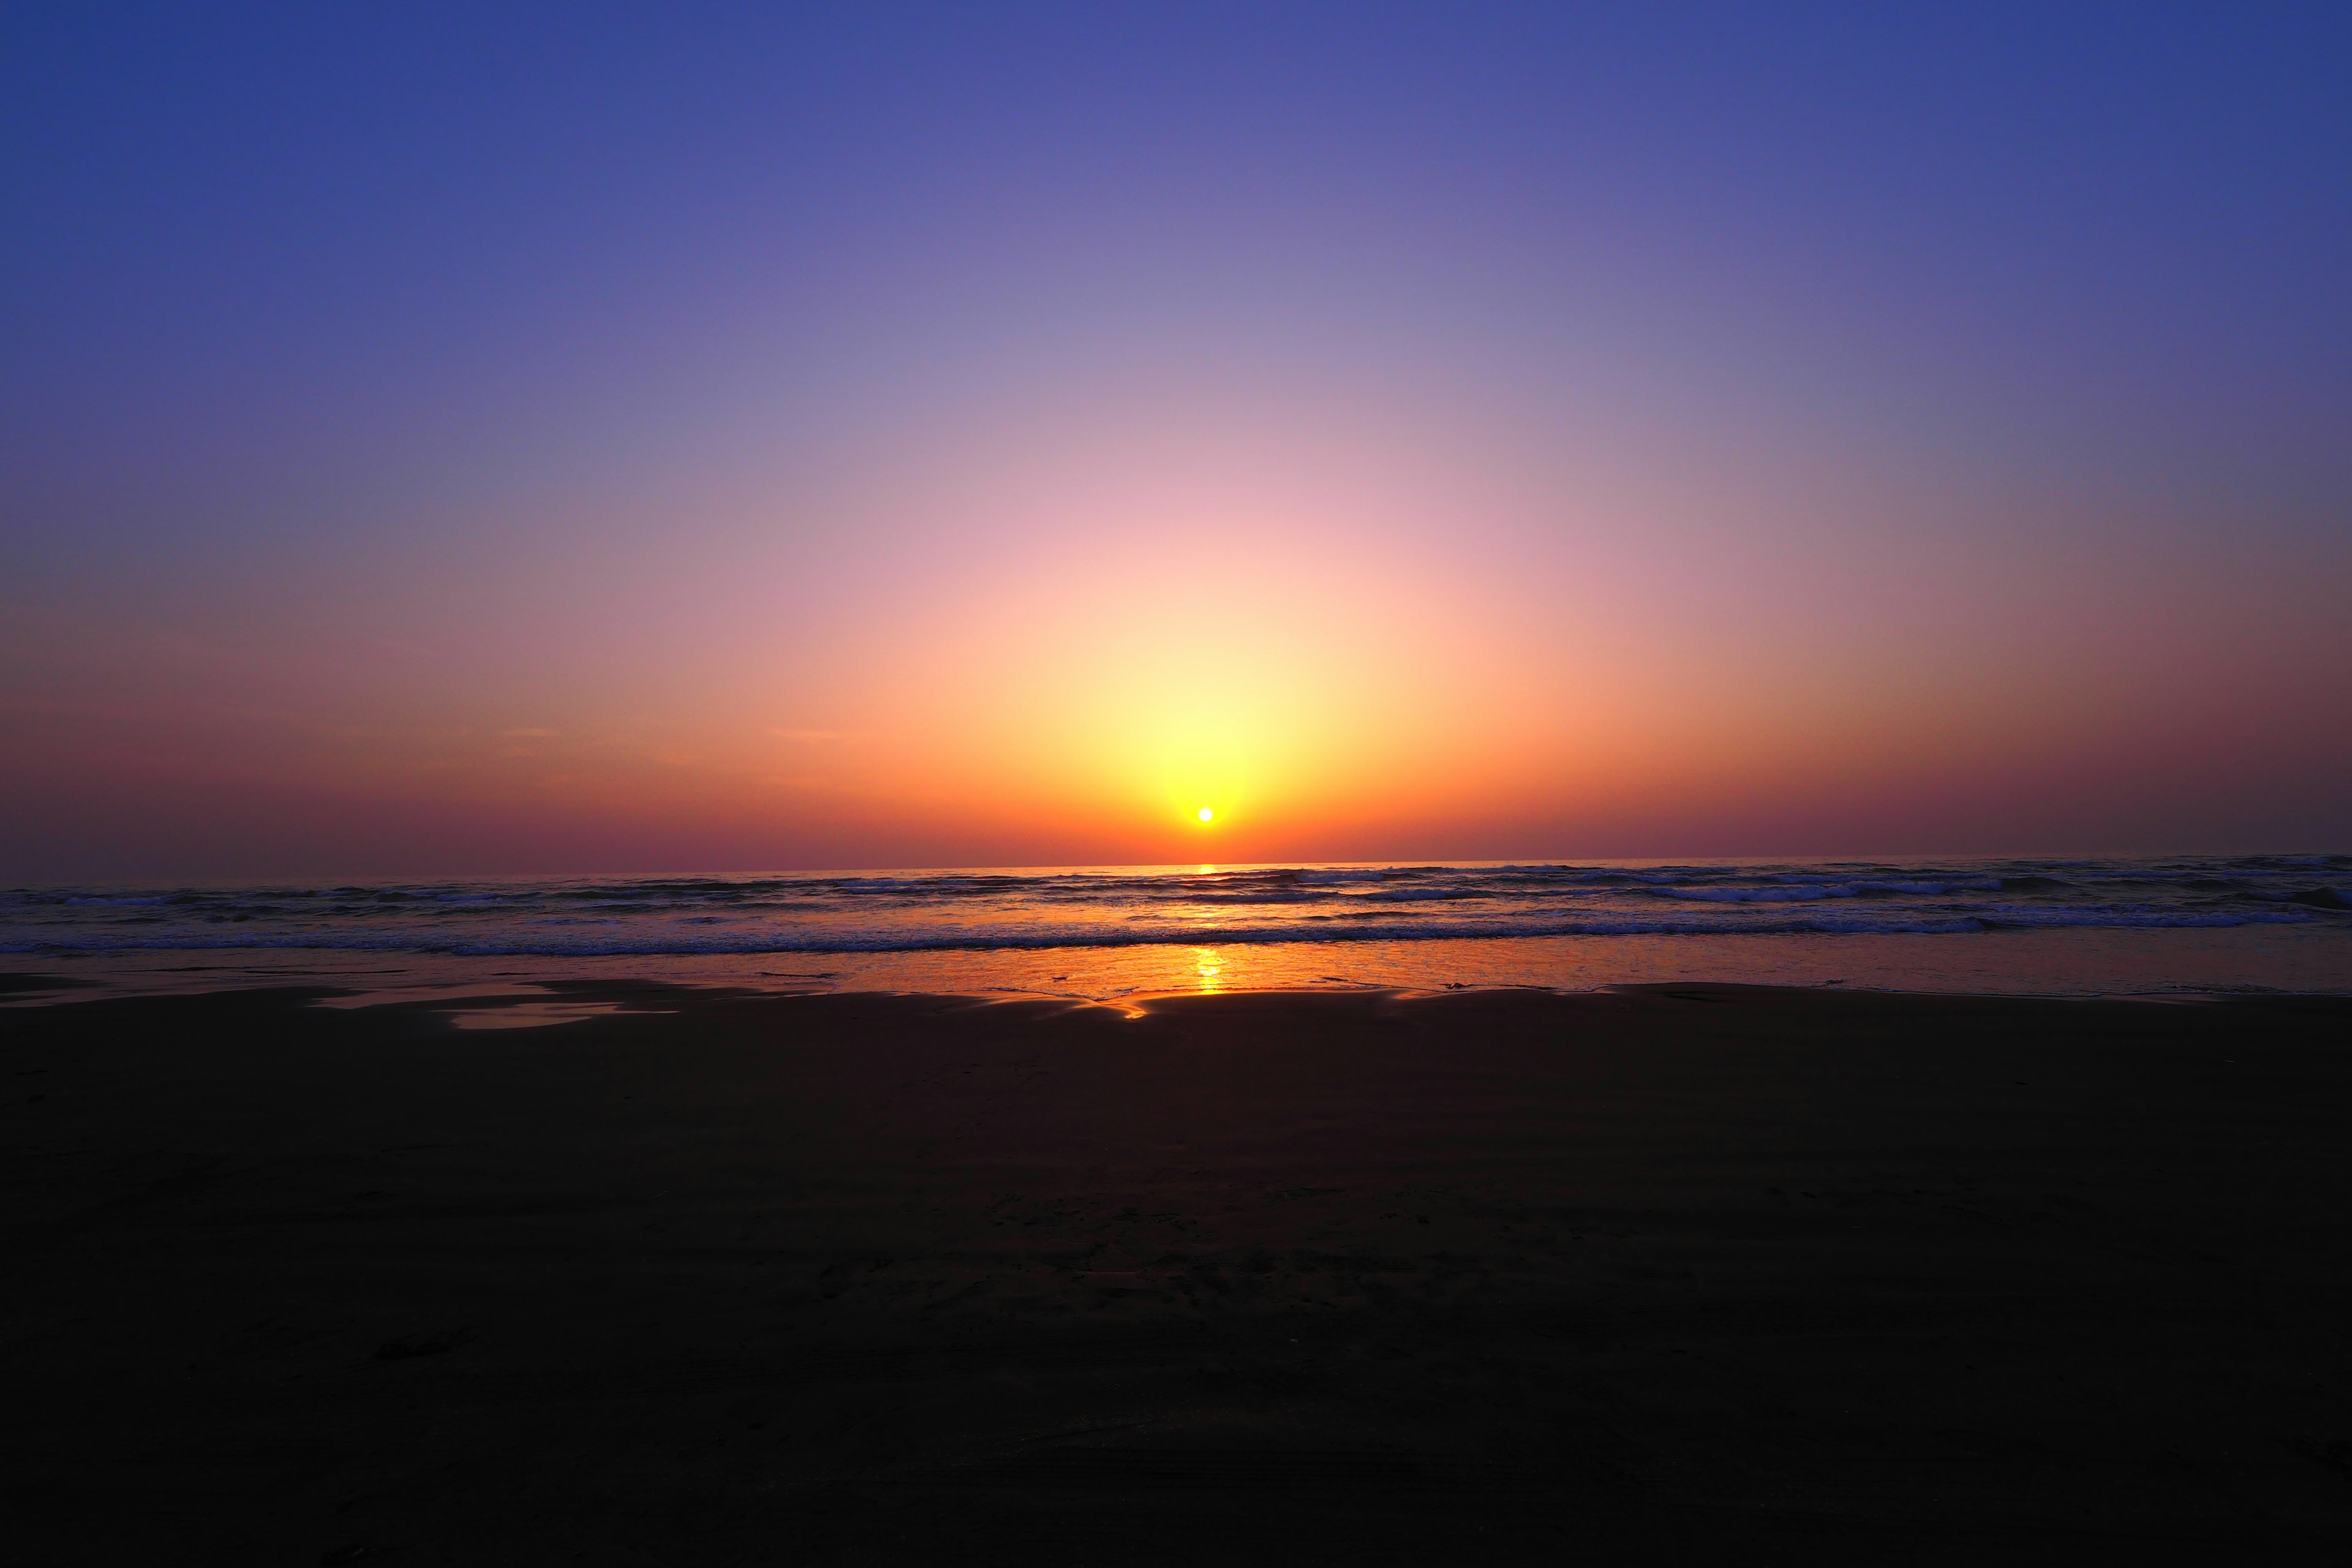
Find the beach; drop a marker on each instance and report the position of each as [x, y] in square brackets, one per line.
[712, 1276]
[1176, 785]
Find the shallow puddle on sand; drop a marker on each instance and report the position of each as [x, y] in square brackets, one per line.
[505, 1004]
[529, 991]
[535, 1014]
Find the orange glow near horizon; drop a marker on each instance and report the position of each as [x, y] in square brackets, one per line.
[1402, 656]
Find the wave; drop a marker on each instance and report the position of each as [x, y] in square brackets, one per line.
[683, 943]
[1797, 890]
[1122, 907]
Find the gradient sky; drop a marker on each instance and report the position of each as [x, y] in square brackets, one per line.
[598, 438]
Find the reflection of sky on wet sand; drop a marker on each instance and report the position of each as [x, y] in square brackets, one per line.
[2053, 962]
[1205, 964]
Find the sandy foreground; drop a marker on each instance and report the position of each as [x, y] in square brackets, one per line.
[1658, 1275]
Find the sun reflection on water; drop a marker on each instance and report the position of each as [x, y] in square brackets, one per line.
[1209, 967]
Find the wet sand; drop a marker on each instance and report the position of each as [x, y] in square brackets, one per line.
[1772, 1275]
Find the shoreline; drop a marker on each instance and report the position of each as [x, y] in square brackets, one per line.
[553, 1000]
[2314, 959]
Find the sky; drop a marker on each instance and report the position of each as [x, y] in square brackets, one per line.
[492, 439]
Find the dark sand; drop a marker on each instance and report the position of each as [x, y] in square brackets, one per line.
[1741, 1275]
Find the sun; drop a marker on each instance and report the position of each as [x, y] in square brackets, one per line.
[1207, 815]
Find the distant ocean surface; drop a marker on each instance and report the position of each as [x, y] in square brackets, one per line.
[1091, 931]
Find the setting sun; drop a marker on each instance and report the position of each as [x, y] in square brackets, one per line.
[777, 510]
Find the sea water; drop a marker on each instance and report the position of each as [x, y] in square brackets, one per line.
[2043, 926]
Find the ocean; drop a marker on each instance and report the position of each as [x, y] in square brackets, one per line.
[2053, 926]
